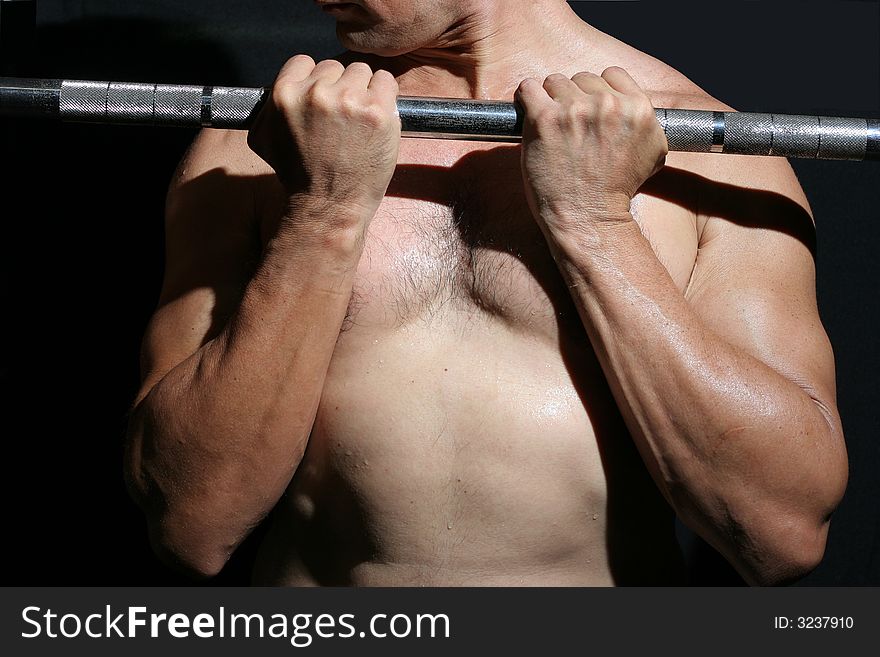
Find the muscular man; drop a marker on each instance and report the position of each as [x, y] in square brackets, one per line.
[458, 363]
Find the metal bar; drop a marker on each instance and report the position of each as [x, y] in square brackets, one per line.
[816, 137]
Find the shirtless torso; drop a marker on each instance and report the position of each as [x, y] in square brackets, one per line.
[465, 432]
[465, 427]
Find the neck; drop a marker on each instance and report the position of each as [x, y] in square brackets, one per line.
[492, 47]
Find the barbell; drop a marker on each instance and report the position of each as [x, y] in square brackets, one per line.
[700, 131]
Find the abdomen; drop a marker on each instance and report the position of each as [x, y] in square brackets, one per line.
[448, 457]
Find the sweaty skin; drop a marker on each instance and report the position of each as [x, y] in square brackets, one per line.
[463, 363]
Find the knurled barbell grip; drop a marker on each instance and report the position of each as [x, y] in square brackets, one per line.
[786, 135]
[158, 104]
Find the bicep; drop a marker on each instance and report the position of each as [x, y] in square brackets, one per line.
[211, 244]
[754, 281]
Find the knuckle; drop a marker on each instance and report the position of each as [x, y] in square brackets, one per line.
[301, 59]
[555, 79]
[360, 67]
[573, 112]
[583, 75]
[285, 93]
[384, 76]
[571, 116]
[374, 115]
[641, 113]
[646, 106]
[348, 103]
[608, 104]
[585, 81]
[527, 87]
[648, 118]
[320, 97]
[329, 65]
[389, 88]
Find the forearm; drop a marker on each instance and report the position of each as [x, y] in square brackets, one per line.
[739, 450]
[215, 442]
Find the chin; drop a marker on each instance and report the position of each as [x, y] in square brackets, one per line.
[372, 44]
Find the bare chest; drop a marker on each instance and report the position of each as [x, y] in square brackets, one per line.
[454, 241]
[455, 237]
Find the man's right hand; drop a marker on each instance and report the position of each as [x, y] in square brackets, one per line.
[331, 134]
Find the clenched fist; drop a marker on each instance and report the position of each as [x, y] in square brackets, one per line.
[331, 133]
[589, 143]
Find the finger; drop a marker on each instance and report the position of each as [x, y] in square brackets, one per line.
[357, 75]
[559, 87]
[619, 80]
[383, 82]
[296, 69]
[590, 82]
[531, 94]
[328, 71]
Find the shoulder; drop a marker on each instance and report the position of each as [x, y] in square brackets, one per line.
[658, 79]
[668, 87]
[219, 175]
[725, 185]
[224, 151]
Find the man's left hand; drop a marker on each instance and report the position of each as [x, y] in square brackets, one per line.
[589, 143]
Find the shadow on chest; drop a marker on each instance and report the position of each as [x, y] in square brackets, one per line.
[457, 236]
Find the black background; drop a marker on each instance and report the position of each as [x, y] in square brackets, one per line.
[82, 246]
